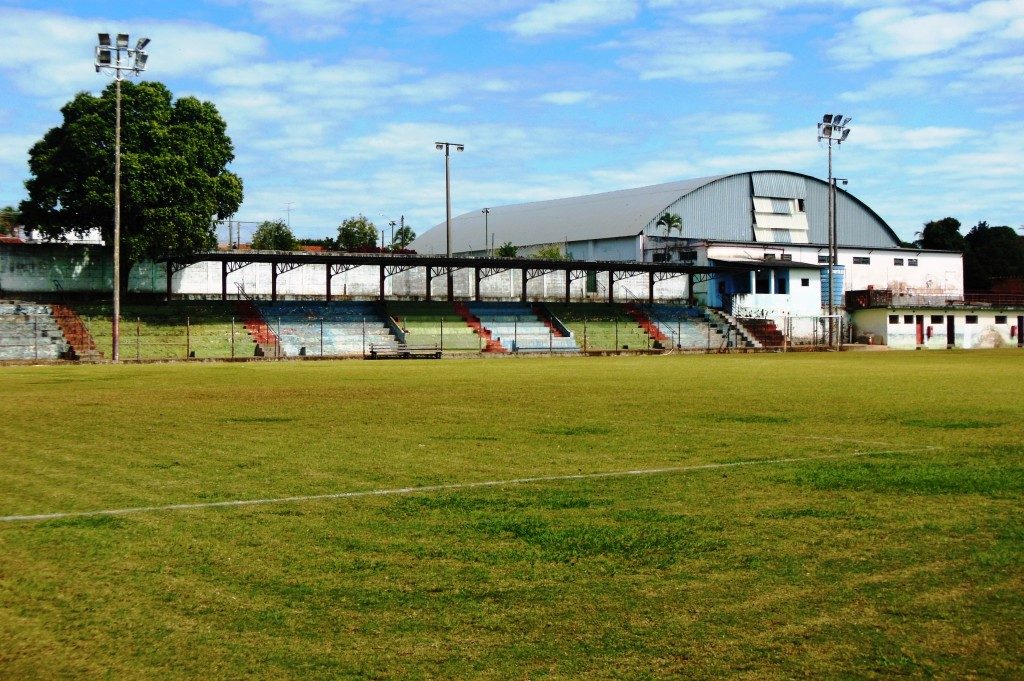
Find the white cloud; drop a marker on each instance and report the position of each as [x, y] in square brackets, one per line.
[562, 16]
[728, 17]
[566, 97]
[895, 33]
[695, 60]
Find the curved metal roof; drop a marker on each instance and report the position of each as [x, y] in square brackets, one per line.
[609, 215]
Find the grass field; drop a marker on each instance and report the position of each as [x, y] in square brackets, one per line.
[881, 534]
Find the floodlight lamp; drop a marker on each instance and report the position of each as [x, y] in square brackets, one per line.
[140, 61]
[847, 121]
[837, 120]
[827, 118]
[103, 57]
[826, 131]
[459, 147]
[104, 39]
[141, 45]
[846, 133]
[122, 40]
[438, 145]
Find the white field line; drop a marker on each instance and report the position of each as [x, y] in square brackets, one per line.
[439, 488]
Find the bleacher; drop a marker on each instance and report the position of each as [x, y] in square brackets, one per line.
[434, 324]
[601, 326]
[685, 326]
[519, 329]
[329, 329]
[170, 330]
[28, 331]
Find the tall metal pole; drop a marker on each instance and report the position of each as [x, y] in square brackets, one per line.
[115, 353]
[487, 214]
[831, 249]
[446, 147]
[833, 128]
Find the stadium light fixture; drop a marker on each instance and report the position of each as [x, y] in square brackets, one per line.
[447, 147]
[833, 128]
[121, 60]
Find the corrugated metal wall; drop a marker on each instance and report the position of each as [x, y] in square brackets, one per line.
[722, 210]
[855, 225]
[779, 185]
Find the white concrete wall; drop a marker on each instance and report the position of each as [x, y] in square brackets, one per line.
[986, 332]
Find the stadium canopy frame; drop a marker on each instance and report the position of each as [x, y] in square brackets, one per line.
[393, 263]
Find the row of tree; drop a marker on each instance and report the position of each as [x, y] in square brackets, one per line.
[991, 253]
[355, 235]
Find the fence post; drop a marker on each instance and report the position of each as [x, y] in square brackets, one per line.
[232, 338]
[441, 349]
[188, 337]
[364, 336]
[616, 335]
[515, 333]
[679, 334]
[280, 350]
[35, 338]
[321, 336]
[584, 334]
[551, 341]
[138, 333]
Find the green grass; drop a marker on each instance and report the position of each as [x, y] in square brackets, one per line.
[903, 556]
[170, 330]
[434, 323]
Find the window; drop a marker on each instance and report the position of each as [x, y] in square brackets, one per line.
[805, 282]
[861, 260]
[972, 319]
[908, 319]
[912, 262]
[688, 255]
[769, 256]
[801, 206]
[782, 285]
[822, 258]
[659, 256]
[894, 319]
[761, 282]
[897, 261]
[1000, 319]
[937, 319]
[786, 256]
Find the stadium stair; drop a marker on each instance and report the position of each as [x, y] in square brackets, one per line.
[28, 331]
[518, 328]
[491, 344]
[337, 328]
[740, 332]
[267, 342]
[687, 327]
[645, 323]
[80, 341]
[765, 331]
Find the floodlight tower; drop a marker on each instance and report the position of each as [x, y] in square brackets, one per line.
[446, 148]
[832, 129]
[122, 60]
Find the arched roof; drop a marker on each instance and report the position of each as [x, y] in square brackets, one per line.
[628, 212]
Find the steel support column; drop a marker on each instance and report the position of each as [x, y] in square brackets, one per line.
[522, 295]
[224, 280]
[650, 288]
[476, 283]
[611, 284]
[430, 276]
[382, 282]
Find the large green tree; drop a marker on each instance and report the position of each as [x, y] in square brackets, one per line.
[357, 233]
[274, 235]
[941, 235]
[9, 219]
[992, 253]
[403, 237]
[174, 177]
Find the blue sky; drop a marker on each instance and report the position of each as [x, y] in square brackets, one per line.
[334, 105]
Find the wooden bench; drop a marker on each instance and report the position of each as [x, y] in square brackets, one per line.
[403, 351]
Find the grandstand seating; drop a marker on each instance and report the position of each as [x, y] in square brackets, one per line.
[434, 324]
[601, 326]
[343, 327]
[519, 328]
[684, 326]
[28, 331]
[169, 330]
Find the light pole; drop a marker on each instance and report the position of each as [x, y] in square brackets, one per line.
[487, 214]
[120, 59]
[833, 128]
[446, 147]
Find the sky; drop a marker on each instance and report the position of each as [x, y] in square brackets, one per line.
[334, 106]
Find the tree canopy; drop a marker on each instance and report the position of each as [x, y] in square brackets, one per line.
[9, 219]
[174, 177]
[941, 235]
[274, 235]
[992, 253]
[357, 234]
[550, 252]
[403, 237]
[669, 222]
[507, 250]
